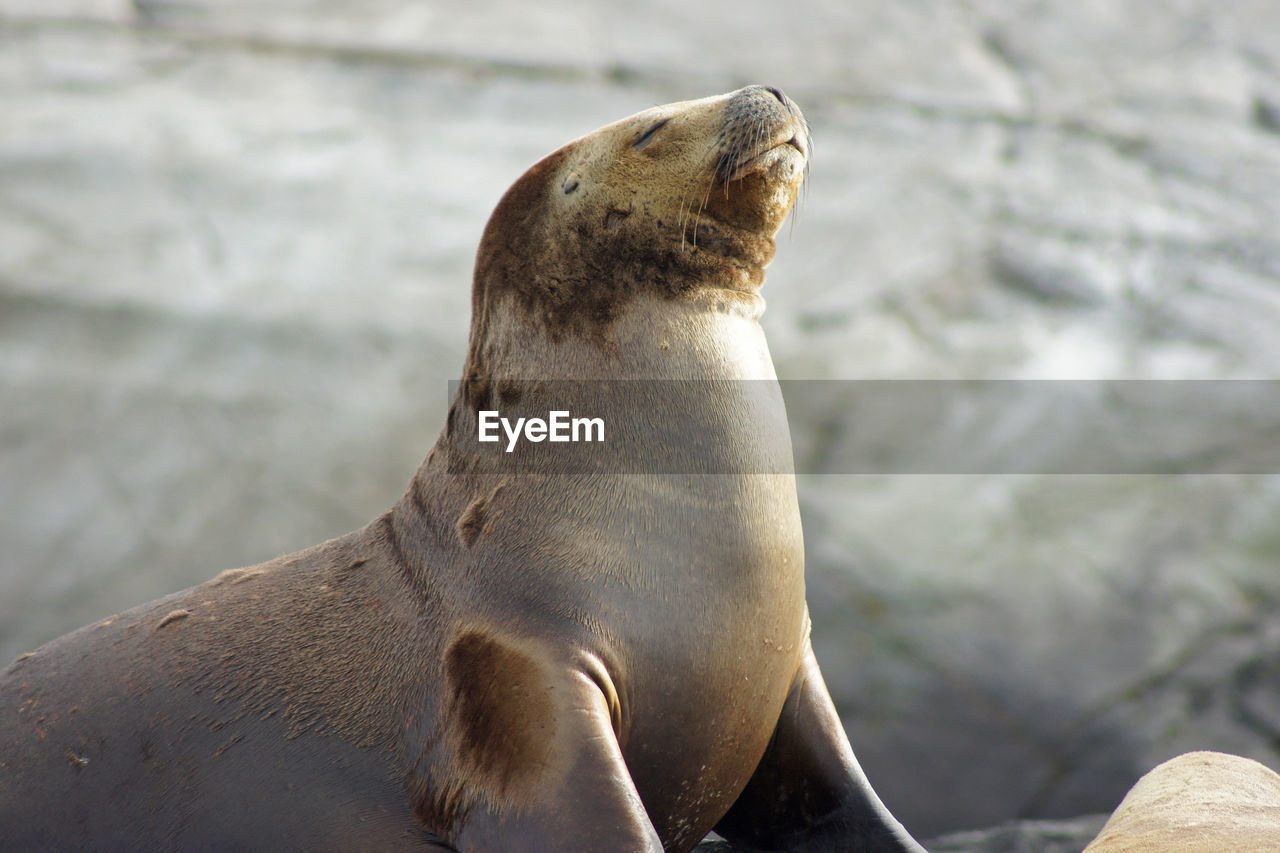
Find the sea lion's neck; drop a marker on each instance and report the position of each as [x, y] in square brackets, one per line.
[682, 386]
[693, 358]
[709, 333]
[569, 279]
[685, 386]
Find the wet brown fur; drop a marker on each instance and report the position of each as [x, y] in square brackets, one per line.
[499, 700]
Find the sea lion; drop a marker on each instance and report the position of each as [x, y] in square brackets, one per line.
[522, 654]
[1199, 802]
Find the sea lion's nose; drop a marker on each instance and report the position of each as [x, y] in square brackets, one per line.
[757, 89]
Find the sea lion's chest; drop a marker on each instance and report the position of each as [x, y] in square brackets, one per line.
[688, 588]
[712, 634]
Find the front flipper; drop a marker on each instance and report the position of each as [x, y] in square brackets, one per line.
[808, 792]
[546, 772]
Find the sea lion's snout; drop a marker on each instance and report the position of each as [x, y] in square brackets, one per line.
[759, 159]
[759, 121]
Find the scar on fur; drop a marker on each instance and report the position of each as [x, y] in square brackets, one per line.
[472, 521]
[173, 616]
[237, 576]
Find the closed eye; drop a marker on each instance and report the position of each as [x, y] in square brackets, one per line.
[644, 140]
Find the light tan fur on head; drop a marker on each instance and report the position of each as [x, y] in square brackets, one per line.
[675, 165]
[1200, 802]
[671, 201]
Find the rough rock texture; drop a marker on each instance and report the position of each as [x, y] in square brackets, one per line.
[1201, 802]
[235, 248]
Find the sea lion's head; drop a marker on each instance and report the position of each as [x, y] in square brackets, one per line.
[672, 200]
